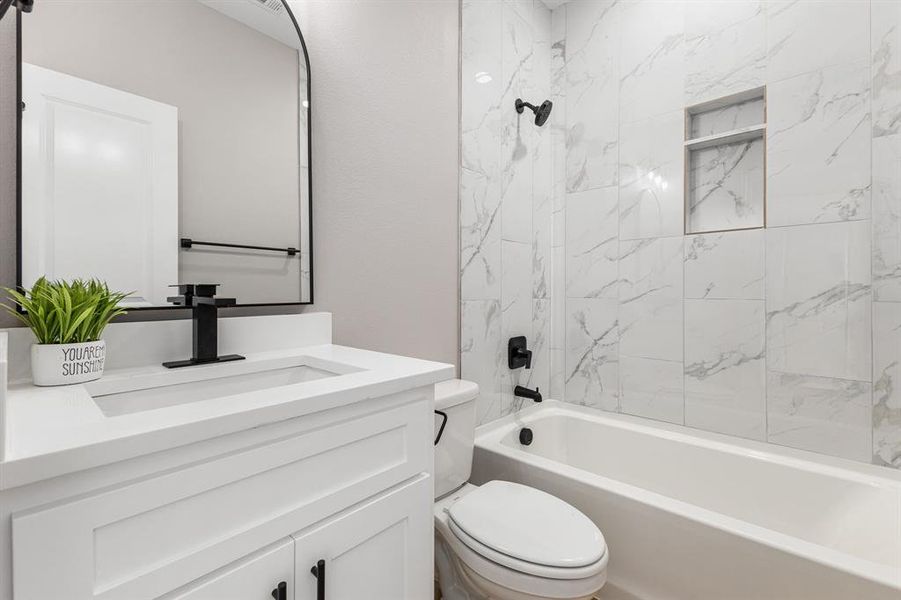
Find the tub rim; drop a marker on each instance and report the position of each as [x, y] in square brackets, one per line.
[490, 436]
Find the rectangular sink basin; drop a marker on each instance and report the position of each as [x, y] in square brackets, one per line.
[159, 393]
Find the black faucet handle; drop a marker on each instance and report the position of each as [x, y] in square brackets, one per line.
[527, 354]
[518, 355]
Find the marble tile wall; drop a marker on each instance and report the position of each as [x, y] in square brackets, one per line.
[506, 200]
[885, 97]
[789, 334]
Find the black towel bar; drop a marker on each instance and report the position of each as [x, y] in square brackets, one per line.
[189, 243]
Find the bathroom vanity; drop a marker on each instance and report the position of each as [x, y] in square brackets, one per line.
[175, 149]
[302, 472]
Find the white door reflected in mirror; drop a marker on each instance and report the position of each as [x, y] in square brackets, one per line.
[101, 177]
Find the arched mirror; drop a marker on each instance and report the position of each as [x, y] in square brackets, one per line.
[166, 142]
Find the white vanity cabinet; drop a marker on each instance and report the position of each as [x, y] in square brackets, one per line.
[231, 517]
[376, 551]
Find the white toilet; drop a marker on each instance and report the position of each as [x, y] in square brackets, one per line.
[502, 540]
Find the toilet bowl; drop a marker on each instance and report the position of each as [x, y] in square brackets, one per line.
[503, 540]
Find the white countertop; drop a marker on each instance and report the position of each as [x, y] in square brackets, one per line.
[57, 430]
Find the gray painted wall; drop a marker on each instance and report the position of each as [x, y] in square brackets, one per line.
[385, 87]
[385, 154]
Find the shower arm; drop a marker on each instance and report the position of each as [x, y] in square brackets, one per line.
[521, 104]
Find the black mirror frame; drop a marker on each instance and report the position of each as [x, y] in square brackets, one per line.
[131, 310]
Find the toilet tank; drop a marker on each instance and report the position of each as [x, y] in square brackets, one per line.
[453, 453]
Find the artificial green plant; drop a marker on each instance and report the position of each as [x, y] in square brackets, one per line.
[66, 312]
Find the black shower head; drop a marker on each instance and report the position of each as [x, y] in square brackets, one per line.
[541, 112]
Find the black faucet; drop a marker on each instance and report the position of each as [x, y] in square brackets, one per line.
[201, 297]
[524, 392]
[517, 353]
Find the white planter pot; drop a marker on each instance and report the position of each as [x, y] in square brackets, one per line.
[64, 364]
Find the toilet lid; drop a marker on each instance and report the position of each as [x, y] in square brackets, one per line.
[529, 525]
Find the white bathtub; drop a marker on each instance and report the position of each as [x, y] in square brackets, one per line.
[693, 515]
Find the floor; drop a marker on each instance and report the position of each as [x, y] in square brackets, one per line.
[610, 592]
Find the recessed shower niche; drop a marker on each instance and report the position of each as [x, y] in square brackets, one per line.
[725, 148]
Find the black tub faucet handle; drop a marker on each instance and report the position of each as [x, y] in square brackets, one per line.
[518, 354]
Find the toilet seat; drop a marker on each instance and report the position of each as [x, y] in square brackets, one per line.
[521, 566]
[526, 529]
[509, 573]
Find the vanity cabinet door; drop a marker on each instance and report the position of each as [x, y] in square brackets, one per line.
[381, 550]
[255, 578]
